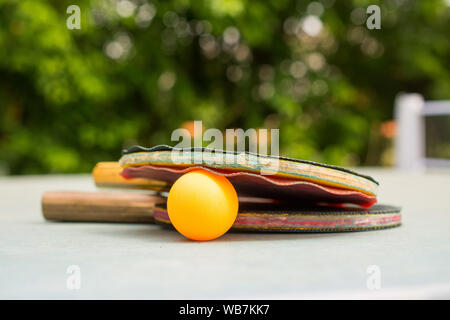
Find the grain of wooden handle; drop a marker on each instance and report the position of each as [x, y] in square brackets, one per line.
[99, 207]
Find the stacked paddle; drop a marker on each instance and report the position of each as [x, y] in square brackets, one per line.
[275, 193]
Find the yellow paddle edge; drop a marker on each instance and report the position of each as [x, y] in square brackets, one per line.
[107, 175]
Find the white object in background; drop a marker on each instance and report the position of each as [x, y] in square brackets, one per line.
[409, 142]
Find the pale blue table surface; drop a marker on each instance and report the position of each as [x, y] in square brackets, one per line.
[141, 261]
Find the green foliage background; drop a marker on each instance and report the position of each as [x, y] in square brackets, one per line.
[70, 98]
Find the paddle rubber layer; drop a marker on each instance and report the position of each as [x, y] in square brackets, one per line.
[251, 184]
[268, 165]
[263, 217]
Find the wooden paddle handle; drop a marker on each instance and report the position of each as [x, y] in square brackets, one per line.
[99, 207]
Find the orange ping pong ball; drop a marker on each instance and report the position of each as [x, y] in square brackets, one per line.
[202, 205]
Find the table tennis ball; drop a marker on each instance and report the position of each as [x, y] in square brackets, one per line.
[202, 205]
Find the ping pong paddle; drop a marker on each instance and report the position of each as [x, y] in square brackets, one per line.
[255, 215]
[254, 175]
[276, 217]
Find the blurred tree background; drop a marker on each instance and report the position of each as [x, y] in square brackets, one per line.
[138, 69]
